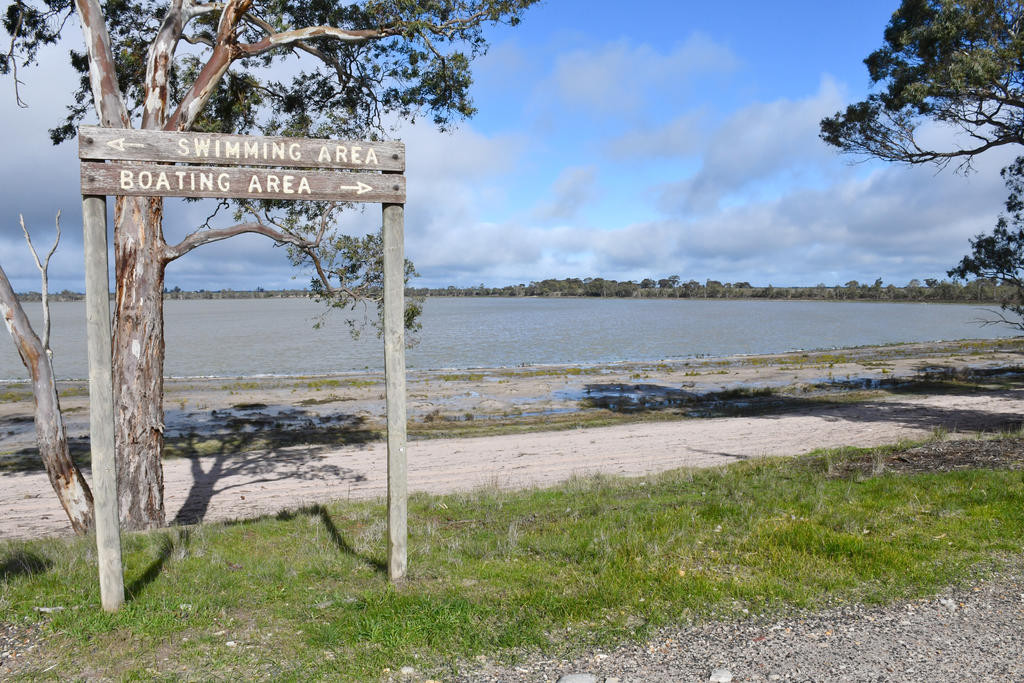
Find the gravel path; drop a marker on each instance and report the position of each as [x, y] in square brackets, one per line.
[972, 633]
[967, 634]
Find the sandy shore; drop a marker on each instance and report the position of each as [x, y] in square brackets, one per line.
[238, 482]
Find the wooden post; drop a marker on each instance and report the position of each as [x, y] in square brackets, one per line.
[101, 403]
[376, 175]
[394, 377]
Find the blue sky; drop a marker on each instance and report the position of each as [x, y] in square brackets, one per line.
[672, 138]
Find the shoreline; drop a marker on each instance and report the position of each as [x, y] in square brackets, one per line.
[255, 448]
[699, 357]
[206, 415]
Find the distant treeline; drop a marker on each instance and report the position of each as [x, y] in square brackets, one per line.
[977, 291]
[981, 290]
[179, 293]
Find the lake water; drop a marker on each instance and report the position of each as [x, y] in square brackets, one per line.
[276, 337]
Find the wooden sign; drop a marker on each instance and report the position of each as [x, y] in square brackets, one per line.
[127, 144]
[120, 162]
[159, 180]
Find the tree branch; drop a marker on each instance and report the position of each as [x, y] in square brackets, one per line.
[304, 46]
[287, 38]
[273, 40]
[43, 267]
[206, 8]
[201, 237]
[12, 59]
[107, 97]
[1000, 319]
[201, 39]
[158, 64]
[51, 436]
[225, 51]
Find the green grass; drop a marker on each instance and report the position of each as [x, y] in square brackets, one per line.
[74, 390]
[522, 373]
[303, 595]
[14, 396]
[462, 377]
[328, 383]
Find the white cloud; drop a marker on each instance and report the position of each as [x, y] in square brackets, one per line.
[617, 77]
[682, 137]
[459, 154]
[768, 203]
[573, 188]
[895, 222]
[898, 222]
[756, 144]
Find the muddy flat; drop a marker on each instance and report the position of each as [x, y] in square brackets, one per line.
[258, 446]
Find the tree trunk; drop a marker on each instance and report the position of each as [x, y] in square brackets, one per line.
[138, 362]
[51, 437]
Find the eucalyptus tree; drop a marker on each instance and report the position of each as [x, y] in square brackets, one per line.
[999, 256]
[956, 62]
[354, 69]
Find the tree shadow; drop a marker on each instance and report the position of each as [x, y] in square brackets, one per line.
[167, 544]
[246, 427]
[632, 399]
[149, 574]
[952, 380]
[23, 563]
[257, 426]
[337, 538]
[635, 398]
[828, 400]
[208, 473]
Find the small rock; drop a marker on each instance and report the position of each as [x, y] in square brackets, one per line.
[721, 676]
[775, 677]
[407, 671]
[578, 678]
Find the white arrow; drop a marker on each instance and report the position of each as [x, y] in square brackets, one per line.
[360, 187]
[119, 144]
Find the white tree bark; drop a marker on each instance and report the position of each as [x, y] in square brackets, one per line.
[68, 483]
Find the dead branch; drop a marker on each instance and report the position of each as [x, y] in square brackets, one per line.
[51, 436]
[43, 267]
[12, 59]
[1000, 319]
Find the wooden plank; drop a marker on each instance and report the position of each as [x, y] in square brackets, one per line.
[126, 144]
[101, 404]
[158, 180]
[394, 378]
